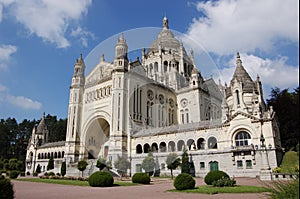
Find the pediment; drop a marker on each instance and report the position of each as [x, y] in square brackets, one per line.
[240, 115]
[101, 71]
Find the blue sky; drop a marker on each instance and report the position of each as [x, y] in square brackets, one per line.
[40, 40]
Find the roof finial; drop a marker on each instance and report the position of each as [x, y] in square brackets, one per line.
[238, 60]
[166, 23]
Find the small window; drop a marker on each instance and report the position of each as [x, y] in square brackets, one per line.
[163, 166]
[239, 164]
[248, 164]
[202, 165]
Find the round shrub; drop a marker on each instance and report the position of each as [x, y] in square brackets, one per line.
[13, 174]
[6, 188]
[184, 181]
[101, 179]
[142, 178]
[214, 176]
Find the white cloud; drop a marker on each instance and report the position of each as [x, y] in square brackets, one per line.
[5, 54]
[83, 35]
[49, 19]
[24, 102]
[271, 72]
[229, 26]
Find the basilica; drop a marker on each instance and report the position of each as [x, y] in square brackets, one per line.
[162, 104]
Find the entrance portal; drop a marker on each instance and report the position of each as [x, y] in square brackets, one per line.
[96, 140]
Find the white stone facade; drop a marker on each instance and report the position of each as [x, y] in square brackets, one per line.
[162, 104]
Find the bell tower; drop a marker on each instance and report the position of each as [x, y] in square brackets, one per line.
[75, 111]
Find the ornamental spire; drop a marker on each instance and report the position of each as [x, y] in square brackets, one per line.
[165, 23]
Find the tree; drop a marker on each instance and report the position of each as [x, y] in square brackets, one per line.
[13, 164]
[81, 166]
[122, 164]
[63, 169]
[38, 168]
[102, 163]
[172, 162]
[286, 106]
[148, 164]
[185, 165]
[50, 164]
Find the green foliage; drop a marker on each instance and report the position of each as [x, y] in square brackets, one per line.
[102, 163]
[122, 164]
[13, 174]
[277, 170]
[224, 182]
[6, 189]
[184, 181]
[63, 169]
[81, 166]
[286, 106]
[282, 190]
[38, 169]
[13, 164]
[148, 164]
[50, 164]
[214, 176]
[172, 162]
[101, 179]
[185, 165]
[14, 135]
[289, 162]
[51, 174]
[141, 178]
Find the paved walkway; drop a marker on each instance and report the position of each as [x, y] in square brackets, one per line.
[156, 190]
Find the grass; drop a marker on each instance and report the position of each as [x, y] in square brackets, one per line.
[208, 189]
[71, 182]
[289, 162]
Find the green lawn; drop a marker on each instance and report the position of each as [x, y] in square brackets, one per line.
[71, 182]
[208, 189]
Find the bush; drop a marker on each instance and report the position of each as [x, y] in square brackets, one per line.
[142, 178]
[214, 176]
[6, 189]
[285, 190]
[184, 181]
[28, 173]
[224, 182]
[13, 174]
[101, 179]
[51, 173]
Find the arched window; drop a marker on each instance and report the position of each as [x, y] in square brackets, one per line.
[212, 143]
[146, 148]
[162, 147]
[180, 145]
[191, 144]
[62, 154]
[242, 138]
[154, 148]
[171, 146]
[237, 97]
[139, 149]
[200, 143]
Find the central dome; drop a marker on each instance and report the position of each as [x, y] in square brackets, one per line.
[165, 40]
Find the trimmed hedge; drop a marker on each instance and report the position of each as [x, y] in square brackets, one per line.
[214, 176]
[13, 174]
[6, 188]
[101, 179]
[141, 178]
[184, 181]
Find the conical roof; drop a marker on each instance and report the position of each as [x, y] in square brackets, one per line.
[42, 126]
[241, 75]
